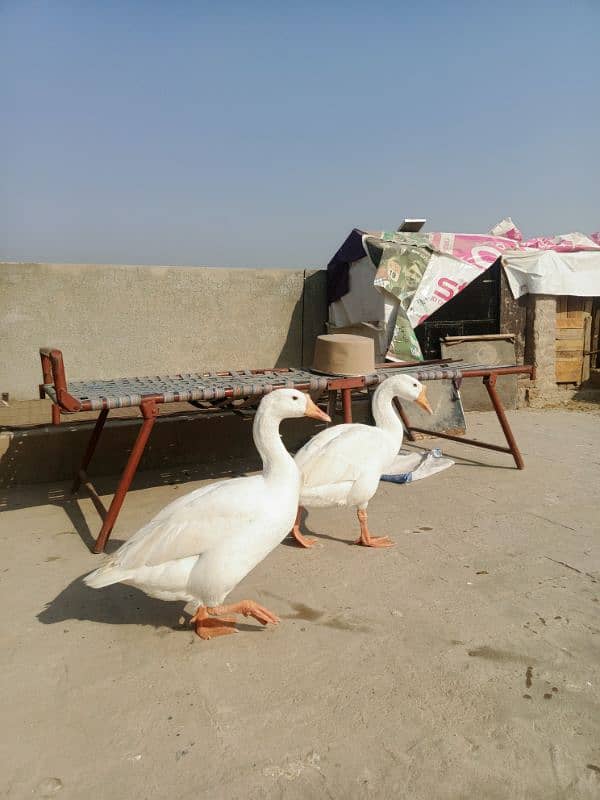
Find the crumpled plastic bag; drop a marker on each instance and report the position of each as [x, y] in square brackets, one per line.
[408, 467]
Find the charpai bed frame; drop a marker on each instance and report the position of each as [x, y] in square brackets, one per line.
[234, 389]
[427, 371]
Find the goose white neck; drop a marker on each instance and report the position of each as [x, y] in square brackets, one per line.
[277, 462]
[385, 415]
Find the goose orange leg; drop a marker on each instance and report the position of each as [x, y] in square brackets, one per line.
[302, 540]
[209, 621]
[365, 537]
[208, 627]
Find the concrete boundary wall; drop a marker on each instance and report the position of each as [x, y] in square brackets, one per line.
[113, 321]
[215, 446]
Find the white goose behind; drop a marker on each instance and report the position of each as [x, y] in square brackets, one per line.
[342, 466]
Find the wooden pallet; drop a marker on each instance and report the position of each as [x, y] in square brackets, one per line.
[573, 339]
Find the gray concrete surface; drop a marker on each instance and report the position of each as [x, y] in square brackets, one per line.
[462, 663]
[112, 321]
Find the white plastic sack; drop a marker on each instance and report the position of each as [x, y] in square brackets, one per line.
[552, 272]
[408, 467]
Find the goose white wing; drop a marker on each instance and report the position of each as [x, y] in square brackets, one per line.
[338, 458]
[192, 524]
[311, 450]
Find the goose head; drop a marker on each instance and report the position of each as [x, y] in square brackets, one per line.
[409, 389]
[286, 403]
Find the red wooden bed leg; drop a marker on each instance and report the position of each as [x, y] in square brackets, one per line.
[89, 452]
[490, 384]
[347, 404]
[149, 411]
[409, 434]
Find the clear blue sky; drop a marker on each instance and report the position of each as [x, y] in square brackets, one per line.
[259, 133]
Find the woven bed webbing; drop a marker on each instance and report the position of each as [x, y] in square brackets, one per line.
[243, 384]
[433, 373]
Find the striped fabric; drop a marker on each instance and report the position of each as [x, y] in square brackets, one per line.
[243, 384]
[125, 392]
[436, 372]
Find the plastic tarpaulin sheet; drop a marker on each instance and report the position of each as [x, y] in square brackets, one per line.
[422, 271]
[417, 273]
[553, 272]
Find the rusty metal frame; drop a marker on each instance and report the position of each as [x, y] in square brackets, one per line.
[54, 374]
[149, 411]
[53, 370]
[489, 375]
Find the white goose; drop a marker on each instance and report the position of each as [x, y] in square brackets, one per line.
[198, 548]
[341, 466]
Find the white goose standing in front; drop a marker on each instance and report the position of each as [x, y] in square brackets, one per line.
[198, 548]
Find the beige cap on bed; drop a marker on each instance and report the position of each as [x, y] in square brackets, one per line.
[344, 354]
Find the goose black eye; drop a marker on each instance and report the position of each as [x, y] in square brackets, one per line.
[294, 398]
[414, 385]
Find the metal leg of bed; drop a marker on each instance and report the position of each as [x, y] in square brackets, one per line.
[109, 516]
[409, 434]
[489, 382]
[331, 402]
[89, 452]
[149, 412]
[490, 385]
[347, 404]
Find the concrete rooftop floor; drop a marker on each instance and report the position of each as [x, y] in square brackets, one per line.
[462, 663]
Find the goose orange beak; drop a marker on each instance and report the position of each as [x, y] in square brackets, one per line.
[313, 410]
[424, 402]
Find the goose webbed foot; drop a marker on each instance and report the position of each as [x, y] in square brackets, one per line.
[251, 609]
[366, 540]
[211, 621]
[303, 541]
[208, 627]
[375, 541]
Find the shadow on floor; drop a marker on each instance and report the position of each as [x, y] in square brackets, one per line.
[120, 605]
[115, 605]
[289, 541]
[59, 494]
[588, 393]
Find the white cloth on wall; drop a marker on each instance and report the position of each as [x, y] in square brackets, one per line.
[552, 272]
